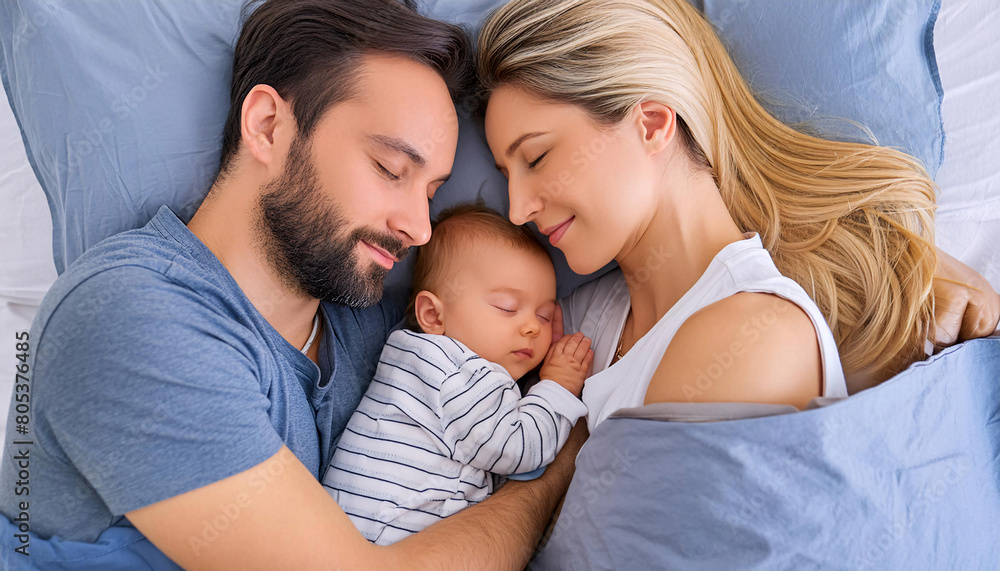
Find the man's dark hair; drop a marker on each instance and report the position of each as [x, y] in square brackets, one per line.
[309, 51]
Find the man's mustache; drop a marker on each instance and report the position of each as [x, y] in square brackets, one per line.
[387, 242]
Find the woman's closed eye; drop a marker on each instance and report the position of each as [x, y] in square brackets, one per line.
[535, 162]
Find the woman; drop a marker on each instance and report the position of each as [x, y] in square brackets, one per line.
[626, 133]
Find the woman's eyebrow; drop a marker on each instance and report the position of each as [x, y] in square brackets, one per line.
[513, 146]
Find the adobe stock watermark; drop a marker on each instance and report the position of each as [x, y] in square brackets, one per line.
[101, 473]
[448, 122]
[453, 289]
[782, 475]
[593, 487]
[581, 159]
[935, 492]
[776, 485]
[733, 12]
[38, 20]
[750, 333]
[87, 310]
[81, 146]
[655, 261]
[256, 482]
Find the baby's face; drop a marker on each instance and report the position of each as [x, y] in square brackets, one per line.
[500, 304]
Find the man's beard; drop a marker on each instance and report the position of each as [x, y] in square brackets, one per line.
[303, 236]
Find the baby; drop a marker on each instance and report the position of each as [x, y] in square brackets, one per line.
[443, 413]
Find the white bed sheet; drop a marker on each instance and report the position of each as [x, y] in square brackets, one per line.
[967, 43]
[26, 266]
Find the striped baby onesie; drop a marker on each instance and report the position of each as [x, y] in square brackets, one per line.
[436, 422]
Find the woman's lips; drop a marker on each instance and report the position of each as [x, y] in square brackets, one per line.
[556, 232]
[382, 257]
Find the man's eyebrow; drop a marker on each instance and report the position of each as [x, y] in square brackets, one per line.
[398, 146]
[513, 146]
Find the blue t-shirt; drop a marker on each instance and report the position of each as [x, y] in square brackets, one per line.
[152, 374]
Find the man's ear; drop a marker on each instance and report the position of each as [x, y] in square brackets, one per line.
[657, 125]
[267, 126]
[430, 313]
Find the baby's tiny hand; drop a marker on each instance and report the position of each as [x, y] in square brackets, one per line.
[568, 362]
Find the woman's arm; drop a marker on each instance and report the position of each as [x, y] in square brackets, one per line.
[965, 305]
[750, 347]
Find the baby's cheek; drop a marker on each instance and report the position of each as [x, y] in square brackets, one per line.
[543, 348]
[545, 336]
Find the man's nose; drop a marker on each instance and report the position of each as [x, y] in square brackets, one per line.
[411, 218]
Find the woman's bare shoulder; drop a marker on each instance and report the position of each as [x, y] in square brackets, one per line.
[749, 347]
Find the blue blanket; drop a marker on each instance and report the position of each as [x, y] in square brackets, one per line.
[902, 476]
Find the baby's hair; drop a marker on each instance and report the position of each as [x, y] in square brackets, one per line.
[455, 232]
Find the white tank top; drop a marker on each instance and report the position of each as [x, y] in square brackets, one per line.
[599, 309]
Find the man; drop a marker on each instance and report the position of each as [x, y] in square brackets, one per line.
[191, 380]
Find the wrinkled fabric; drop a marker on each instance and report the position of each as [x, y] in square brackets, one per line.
[902, 476]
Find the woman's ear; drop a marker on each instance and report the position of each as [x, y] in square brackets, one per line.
[657, 125]
[265, 125]
[430, 313]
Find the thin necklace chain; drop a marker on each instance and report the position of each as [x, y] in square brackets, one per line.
[618, 353]
[621, 340]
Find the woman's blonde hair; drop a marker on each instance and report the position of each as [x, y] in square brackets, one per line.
[852, 223]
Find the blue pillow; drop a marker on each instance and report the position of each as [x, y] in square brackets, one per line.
[121, 106]
[121, 103]
[839, 68]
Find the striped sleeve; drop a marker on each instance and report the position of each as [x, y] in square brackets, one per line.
[488, 425]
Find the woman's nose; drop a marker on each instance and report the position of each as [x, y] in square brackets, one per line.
[524, 202]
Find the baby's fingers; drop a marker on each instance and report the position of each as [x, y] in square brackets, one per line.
[588, 362]
[571, 343]
[581, 350]
[550, 352]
